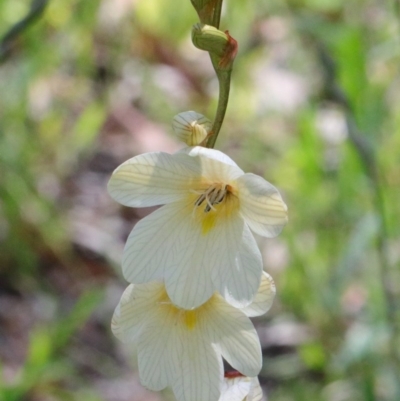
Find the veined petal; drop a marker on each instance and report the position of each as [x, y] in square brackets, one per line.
[124, 331]
[237, 263]
[261, 205]
[201, 367]
[159, 350]
[255, 393]
[235, 389]
[189, 282]
[128, 316]
[167, 244]
[264, 298]
[237, 338]
[214, 165]
[153, 179]
[208, 153]
[151, 248]
[188, 277]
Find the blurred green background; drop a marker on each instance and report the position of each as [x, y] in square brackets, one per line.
[314, 108]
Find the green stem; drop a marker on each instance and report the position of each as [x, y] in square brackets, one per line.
[222, 49]
[224, 79]
[36, 10]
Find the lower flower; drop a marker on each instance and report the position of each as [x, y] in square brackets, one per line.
[184, 348]
[241, 388]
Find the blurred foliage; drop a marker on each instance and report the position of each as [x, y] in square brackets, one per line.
[315, 108]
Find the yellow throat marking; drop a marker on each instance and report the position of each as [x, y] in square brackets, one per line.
[188, 318]
[215, 203]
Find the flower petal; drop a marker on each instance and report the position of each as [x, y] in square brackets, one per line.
[165, 245]
[226, 259]
[235, 389]
[241, 389]
[153, 179]
[237, 265]
[264, 298]
[261, 205]
[127, 320]
[214, 165]
[189, 282]
[237, 338]
[159, 350]
[200, 370]
[255, 393]
[150, 246]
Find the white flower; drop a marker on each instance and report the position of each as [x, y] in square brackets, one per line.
[191, 127]
[241, 388]
[200, 240]
[183, 348]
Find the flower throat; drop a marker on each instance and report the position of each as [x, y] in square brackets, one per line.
[214, 195]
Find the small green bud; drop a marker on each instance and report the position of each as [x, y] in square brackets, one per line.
[209, 38]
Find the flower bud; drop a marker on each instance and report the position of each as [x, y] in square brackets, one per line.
[209, 38]
[191, 127]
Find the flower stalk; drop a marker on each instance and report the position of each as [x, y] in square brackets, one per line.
[195, 268]
[222, 48]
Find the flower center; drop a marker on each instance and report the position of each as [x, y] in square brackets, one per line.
[214, 204]
[213, 195]
[188, 318]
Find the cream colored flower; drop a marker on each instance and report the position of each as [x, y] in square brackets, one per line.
[191, 127]
[184, 348]
[200, 240]
[241, 388]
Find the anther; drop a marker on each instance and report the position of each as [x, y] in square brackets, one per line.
[213, 196]
[200, 200]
